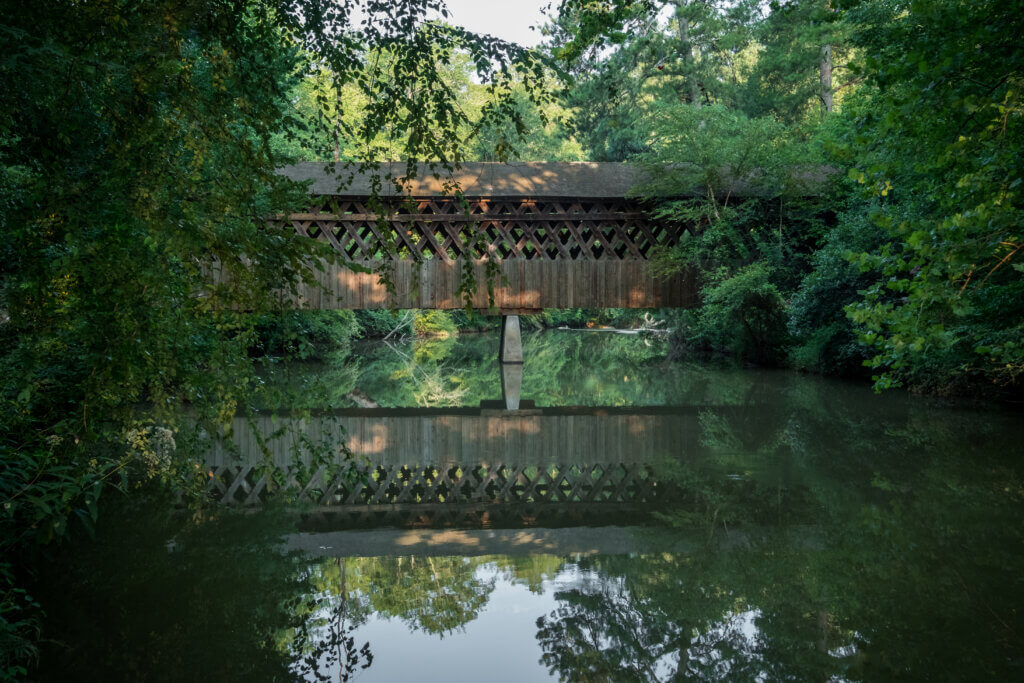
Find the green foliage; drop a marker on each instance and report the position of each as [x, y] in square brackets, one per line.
[20, 619]
[473, 321]
[653, 53]
[133, 177]
[725, 153]
[742, 314]
[531, 127]
[305, 335]
[434, 323]
[378, 323]
[620, 318]
[541, 135]
[749, 252]
[817, 311]
[785, 78]
[926, 127]
[939, 146]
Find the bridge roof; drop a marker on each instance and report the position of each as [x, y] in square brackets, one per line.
[485, 179]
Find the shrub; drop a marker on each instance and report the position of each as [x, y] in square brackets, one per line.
[308, 335]
[817, 315]
[380, 323]
[473, 322]
[743, 315]
[434, 324]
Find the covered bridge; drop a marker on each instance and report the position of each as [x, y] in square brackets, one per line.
[534, 235]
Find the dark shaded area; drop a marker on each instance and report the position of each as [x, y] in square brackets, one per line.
[813, 530]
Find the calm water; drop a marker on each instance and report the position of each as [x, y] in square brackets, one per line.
[793, 528]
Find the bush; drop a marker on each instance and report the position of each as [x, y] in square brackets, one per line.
[308, 335]
[475, 321]
[380, 323]
[817, 315]
[19, 626]
[743, 315]
[590, 317]
[434, 324]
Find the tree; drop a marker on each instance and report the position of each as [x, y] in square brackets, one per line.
[799, 41]
[139, 144]
[938, 149]
[641, 60]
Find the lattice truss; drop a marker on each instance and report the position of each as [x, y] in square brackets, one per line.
[443, 228]
[499, 483]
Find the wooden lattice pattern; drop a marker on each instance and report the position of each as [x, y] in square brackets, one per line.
[249, 485]
[496, 228]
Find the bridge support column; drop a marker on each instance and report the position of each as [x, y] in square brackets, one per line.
[510, 348]
[511, 384]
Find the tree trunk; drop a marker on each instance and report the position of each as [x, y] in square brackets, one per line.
[693, 88]
[825, 72]
[337, 119]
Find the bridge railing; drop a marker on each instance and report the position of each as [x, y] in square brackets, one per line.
[443, 228]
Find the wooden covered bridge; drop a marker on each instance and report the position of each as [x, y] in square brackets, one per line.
[463, 466]
[557, 235]
[534, 235]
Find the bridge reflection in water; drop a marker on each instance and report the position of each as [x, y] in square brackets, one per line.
[485, 466]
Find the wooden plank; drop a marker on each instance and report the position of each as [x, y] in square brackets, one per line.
[422, 281]
[551, 281]
[640, 289]
[610, 282]
[535, 279]
[531, 285]
[566, 291]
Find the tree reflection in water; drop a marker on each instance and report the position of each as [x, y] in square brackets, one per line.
[436, 595]
[814, 532]
[832, 541]
[325, 647]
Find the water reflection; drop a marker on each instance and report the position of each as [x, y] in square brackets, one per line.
[812, 531]
[412, 458]
[560, 369]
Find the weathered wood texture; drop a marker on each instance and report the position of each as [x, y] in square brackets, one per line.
[518, 285]
[479, 179]
[419, 228]
[492, 456]
[465, 515]
[555, 253]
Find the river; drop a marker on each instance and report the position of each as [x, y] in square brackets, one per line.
[629, 519]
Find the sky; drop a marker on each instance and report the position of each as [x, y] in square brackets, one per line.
[506, 19]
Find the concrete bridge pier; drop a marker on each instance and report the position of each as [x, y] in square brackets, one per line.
[510, 348]
[511, 384]
[510, 359]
